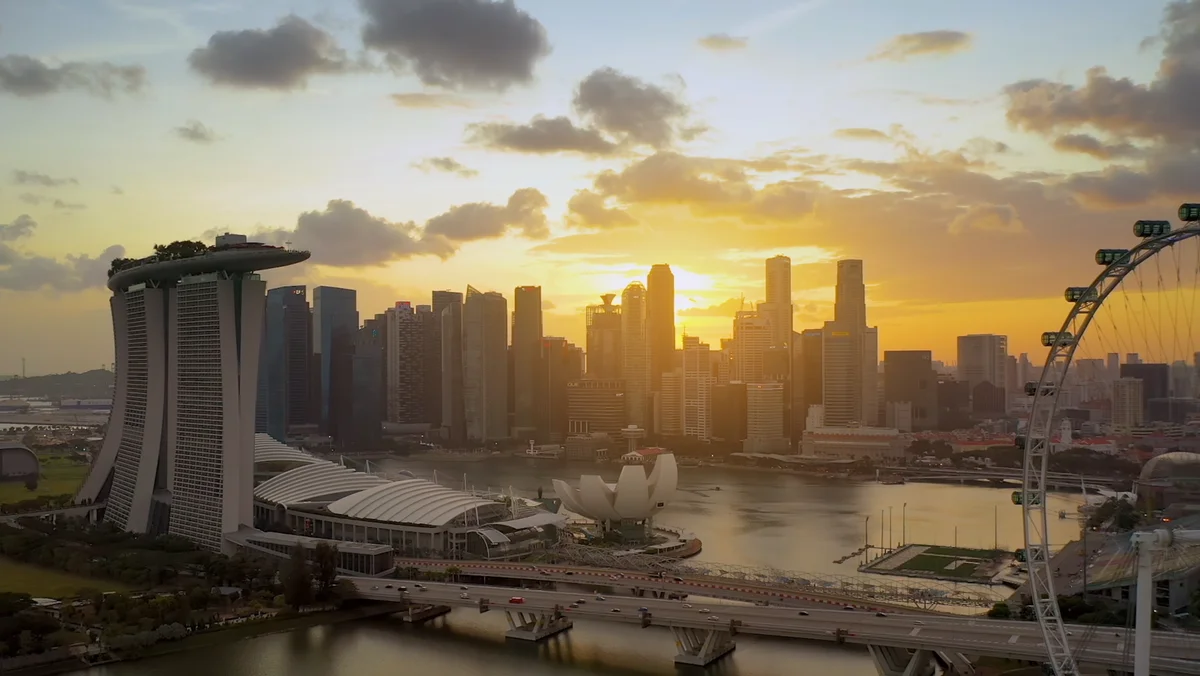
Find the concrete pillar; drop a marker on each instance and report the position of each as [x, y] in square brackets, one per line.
[891, 661]
[535, 625]
[701, 647]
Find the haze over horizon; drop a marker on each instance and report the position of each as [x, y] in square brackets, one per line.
[974, 159]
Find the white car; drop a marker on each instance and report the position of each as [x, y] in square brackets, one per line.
[687, 605]
[704, 611]
[713, 618]
[464, 595]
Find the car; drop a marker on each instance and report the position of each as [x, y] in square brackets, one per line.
[614, 577]
[704, 610]
[387, 586]
[464, 595]
[880, 614]
[803, 613]
[573, 606]
[517, 599]
[570, 572]
[419, 585]
[463, 587]
[922, 624]
[422, 589]
[581, 601]
[374, 587]
[687, 605]
[615, 610]
[600, 598]
[401, 588]
[545, 572]
[643, 609]
[677, 579]
[847, 607]
[713, 618]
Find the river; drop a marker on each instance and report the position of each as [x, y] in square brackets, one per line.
[780, 520]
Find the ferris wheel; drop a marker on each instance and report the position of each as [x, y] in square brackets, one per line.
[1127, 351]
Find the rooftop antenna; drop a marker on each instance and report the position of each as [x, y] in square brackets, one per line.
[22, 368]
[742, 302]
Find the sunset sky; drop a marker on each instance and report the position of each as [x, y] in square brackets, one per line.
[974, 155]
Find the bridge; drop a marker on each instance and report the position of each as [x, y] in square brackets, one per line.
[734, 583]
[901, 644]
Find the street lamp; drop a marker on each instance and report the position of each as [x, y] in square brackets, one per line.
[904, 524]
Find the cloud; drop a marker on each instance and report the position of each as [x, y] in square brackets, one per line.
[542, 135]
[35, 178]
[281, 58]
[861, 134]
[427, 100]
[587, 209]
[525, 212]
[548, 305]
[929, 43]
[22, 226]
[1090, 145]
[196, 132]
[632, 109]
[460, 44]
[20, 271]
[346, 235]
[27, 77]
[70, 206]
[722, 42]
[37, 200]
[116, 190]
[445, 164]
[727, 308]
[988, 218]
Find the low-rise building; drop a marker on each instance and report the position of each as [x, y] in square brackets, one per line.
[882, 445]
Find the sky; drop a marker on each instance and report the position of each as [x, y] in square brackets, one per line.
[973, 155]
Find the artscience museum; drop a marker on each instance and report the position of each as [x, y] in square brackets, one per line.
[623, 510]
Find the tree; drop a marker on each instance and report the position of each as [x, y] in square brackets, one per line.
[325, 560]
[297, 585]
[1000, 611]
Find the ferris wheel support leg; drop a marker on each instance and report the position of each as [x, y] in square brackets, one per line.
[1144, 610]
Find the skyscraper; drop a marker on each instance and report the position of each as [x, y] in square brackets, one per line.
[369, 377]
[454, 425]
[660, 321]
[983, 358]
[807, 374]
[604, 339]
[635, 354]
[697, 389]
[850, 354]
[779, 299]
[334, 310]
[485, 365]
[433, 351]
[178, 455]
[284, 366]
[562, 363]
[752, 335]
[528, 381]
[909, 377]
[405, 334]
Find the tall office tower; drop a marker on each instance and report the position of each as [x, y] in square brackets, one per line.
[1112, 366]
[1133, 358]
[596, 407]
[528, 384]
[660, 321]
[729, 412]
[670, 403]
[808, 375]
[1156, 384]
[983, 358]
[635, 354]
[1128, 411]
[485, 365]
[406, 335]
[752, 335]
[697, 389]
[723, 361]
[562, 363]
[369, 377]
[908, 377]
[454, 417]
[334, 310]
[1025, 372]
[433, 351]
[764, 419]
[779, 299]
[850, 303]
[178, 455]
[842, 375]
[286, 355]
[870, 374]
[604, 339]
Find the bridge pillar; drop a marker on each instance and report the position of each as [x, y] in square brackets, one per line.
[702, 647]
[417, 613]
[535, 625]
[891, 661]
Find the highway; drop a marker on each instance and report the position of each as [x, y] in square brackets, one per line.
[721, 588]
[1100, 646]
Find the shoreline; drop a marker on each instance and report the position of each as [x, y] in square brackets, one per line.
[218, 637]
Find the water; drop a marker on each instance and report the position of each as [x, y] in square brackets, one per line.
[783, 521]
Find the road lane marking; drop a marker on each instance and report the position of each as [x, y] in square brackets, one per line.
[1014, 638]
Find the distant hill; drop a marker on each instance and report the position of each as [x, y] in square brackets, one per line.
[96, 384]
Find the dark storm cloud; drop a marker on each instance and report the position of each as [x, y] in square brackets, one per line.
[39, 179]
[631, 108]
[196, 132]
[722, 42]
[542, 135]
[448, 165]
[281, 58]
[929, 43]
[21, 226]
[457, 44]
[28, 77]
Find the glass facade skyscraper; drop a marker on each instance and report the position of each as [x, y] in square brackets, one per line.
[335, 310]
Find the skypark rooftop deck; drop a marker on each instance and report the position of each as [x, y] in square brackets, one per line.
[239, 260]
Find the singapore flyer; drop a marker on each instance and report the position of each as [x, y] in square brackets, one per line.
[1123, 364]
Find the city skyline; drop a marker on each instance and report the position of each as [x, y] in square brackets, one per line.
[727, 154]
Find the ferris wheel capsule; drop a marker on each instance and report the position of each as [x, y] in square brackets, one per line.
[1074, 294]
[1107, 257]
[1190, 212]
[1146, 229]
[1059, 338]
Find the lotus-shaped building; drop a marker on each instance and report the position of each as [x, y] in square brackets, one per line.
[627, 505]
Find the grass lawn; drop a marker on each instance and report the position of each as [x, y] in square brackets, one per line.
[939, 565]
[44, 582]
[58, 477]
[960, 552]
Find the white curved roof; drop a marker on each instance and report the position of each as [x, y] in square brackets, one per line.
[414, 501]
[315, 480]
[267, 449]
[634, 496]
